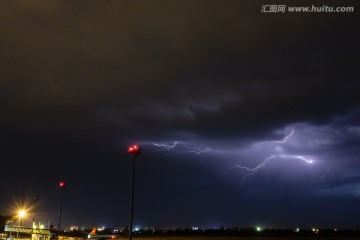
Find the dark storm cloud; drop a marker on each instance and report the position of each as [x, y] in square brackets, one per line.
[80, 81]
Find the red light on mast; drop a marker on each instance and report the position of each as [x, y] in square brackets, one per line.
[134, 150]
[62, 185]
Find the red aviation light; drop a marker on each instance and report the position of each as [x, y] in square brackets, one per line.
[134, 150]
[62, 185]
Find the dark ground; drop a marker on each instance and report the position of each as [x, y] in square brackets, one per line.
[243, 238]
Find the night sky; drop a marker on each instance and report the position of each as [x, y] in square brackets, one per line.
[244, 118]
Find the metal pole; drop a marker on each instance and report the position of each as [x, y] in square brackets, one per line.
[61, 200]
[132, 200]
[35, 200]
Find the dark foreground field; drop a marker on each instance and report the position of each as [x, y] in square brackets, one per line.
[243, 238]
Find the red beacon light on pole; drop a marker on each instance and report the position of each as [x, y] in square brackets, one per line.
[62, 186]
[134, 150]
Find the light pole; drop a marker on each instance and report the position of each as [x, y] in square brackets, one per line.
[33, 221]
[62, 185]
[21, 215]
[135, 151]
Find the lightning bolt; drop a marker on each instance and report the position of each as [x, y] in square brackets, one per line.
[250, 171]
[286, 137]
[180, 148]
[165, 147]
[297, 157]
[197, 151]
[304, 159]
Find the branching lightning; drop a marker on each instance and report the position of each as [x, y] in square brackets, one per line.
[165, 147]
[251, 171]
[197, 151]
[180, 148]
[286, 137]
[246, 171]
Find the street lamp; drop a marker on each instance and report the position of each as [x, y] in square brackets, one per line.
[135, 151]
[35, 201]
[62, 186]
[22, 214]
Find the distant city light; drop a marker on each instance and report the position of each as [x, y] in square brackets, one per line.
[258, 229]
[74, 228]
